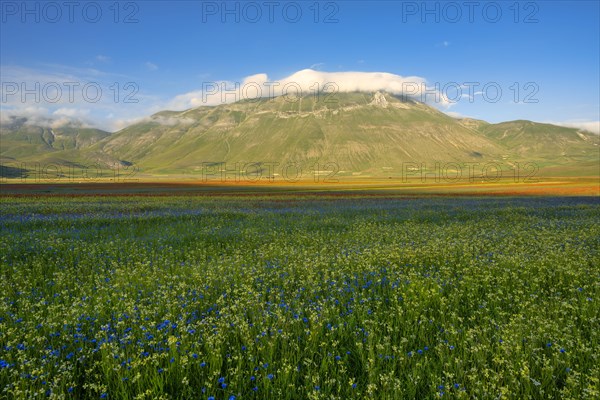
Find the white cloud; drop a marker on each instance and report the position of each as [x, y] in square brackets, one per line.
[42, 116]
[305, 82]
[121, 123]
[191, 100]
[351, 81]
[170, 121]
[72, 112]
[454, 114]
[63, 121]
[590, 126]
[116, 124]
[70, 116]
[35, 115]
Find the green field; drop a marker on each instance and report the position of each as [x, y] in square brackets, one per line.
[293, 297]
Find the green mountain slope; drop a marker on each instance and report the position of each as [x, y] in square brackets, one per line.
[554, 148]
[23, 142]
[360, 134]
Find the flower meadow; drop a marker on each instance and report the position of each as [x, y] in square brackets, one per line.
[299, 297]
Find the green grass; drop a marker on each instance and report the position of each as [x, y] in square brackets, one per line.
[287, 298]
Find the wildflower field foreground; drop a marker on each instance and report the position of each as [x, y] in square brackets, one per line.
[282, 297]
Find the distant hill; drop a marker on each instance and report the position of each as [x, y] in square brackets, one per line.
[555, 149]
[26, 145]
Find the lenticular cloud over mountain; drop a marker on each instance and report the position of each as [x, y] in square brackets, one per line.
[303, 82]
[350, 81]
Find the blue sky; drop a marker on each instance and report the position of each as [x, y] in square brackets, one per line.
[548, 49]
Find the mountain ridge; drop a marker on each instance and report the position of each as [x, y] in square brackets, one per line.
[364, 134]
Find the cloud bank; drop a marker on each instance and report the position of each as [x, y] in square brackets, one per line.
[56, 96]
[41, 116]
[590, 126]
[305, 82]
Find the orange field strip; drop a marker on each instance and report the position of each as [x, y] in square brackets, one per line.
[550, 187]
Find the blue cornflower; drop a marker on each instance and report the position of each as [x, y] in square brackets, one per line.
[456, 386]
[203, 364]
[104, 395]
[338, 358]
[270, 376]
[562, 350]
[317, 387]
[420, 351]
[221, 380]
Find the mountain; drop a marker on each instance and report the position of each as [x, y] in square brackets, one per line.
[24, 142]
[357, 134]
[361, 133]
[544, 140]
[553, 148]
